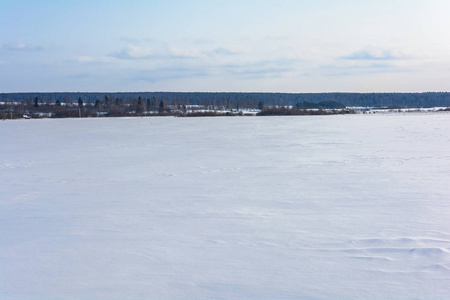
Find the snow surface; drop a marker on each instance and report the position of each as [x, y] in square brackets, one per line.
[306, 207]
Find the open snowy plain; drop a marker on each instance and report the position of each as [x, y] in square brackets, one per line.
[321, 207]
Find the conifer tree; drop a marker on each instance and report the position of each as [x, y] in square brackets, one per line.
[161, 107]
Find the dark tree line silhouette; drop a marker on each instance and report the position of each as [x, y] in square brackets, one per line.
[247, 99]
[61, 105]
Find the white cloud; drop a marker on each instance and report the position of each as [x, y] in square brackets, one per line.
[20, 46]
[223, 51]
[15, 46]
[177, 51]
[135, 52]
[141, 52]
[230, 50]
[183, 52]
[84, 59]
[375, 54]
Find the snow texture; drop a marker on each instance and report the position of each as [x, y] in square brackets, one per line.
[319, 207]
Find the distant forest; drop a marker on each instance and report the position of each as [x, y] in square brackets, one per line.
[246, 100]
[72, 105]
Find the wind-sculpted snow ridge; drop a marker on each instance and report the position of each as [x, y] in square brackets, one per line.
[335, 207]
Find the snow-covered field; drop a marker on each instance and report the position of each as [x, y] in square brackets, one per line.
[321, 207]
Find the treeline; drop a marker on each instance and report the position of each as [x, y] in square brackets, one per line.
[305, 109]
[246, 100]
[106, 107]
[295, 111]
[320, 105]
[71, 105]
[118, 107]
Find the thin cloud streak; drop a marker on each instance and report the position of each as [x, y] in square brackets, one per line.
[85, 59]
[132, 52]
[18, 46]
[165, 74]
[362, 69]
[138, 52]
[224, 51]
[373, 55]
[198, 68]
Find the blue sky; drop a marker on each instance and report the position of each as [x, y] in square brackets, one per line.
[225, 45]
